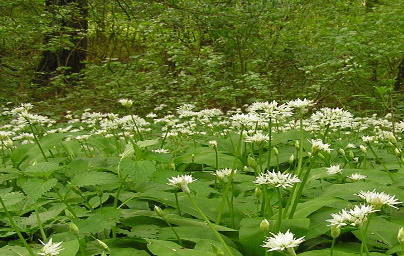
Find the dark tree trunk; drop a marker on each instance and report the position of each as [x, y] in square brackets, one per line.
[68, 55]
[400, 76]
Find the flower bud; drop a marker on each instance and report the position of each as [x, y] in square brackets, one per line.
[74, 229]
[400, 235]
[335, 231]
[9, 142]
[103, 245]
[297, 144]
[392, 139]
[75, 189]
[258, 192]
[171, 166]
[363, 148]
[321, 156]
[341, 151]
[397, 151]
[68, 214]
[292, 158]
[251, 162]
[193, 158]
[217, 251]
[276, 151]
[264, 226]
[351, 154]
[158, 211]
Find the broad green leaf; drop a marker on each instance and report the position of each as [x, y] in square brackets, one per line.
[70, 248]
[167, 248]
[105, 218]
[147, 143]
[44, 169]
[51, 140]
[35, 188]
[92, 178]
[138, 171]
[127, 252]
[44, 216]
[10, 198]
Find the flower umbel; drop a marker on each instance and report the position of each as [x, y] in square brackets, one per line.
[282, 241]
[182, 182]
[277, 179]
[50, 249]
[378, 199]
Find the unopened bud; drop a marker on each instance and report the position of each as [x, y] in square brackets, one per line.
[9, 142]
[392, 139]
[217, 251]
[193, 158]
[68, 214]
[400, 235]
[103, 245]
[297, 144]
[75, 189]
[341, 151]
[321, 156]
[172, 166]
[351, 154]
[390, 144]
[264, 226]
[363, 148]
[158, 211]
[397, 151]
[335, 231]
[100, 193]
[251, 162]
[74, 229]
[276, 151]
[258, 192]
[292, 158]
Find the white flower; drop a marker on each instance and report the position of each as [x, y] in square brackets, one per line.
[368, 139]
[280, 241]
[257, 138]
[161, 150]
[359, 214]
[378, 199]
[357, 176]
[50, 249]
[182, 182]
[334, 169]
[224, 173]
[302, 105]
[213, 143]
[353, 217]
[276, 179]
[126, 103]
[318, 145]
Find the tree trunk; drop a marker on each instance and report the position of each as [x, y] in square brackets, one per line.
[65, 48]
[400, 76]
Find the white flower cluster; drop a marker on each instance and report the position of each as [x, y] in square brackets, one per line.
[282, 241]
[276, 179]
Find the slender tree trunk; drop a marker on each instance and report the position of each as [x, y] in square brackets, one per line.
[65, 48]
[400, 76]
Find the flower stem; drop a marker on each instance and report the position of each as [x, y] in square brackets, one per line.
[16, 228]
[217, 234]
[177, 204]
[278, 224]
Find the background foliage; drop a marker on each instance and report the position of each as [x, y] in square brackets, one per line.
[211, 53]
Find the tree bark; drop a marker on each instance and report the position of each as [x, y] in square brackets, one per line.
[67, 56]
[400, 76]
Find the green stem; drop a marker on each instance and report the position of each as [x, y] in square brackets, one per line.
[269, 143]
[37, 141]
[230, 183]
[300, 187]
[364, 244]
[217, 234]
[380, 161]
[177, 204]
[278, 224]
[172, 228]
[332, 246]
[16, 228]
[38, 219]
